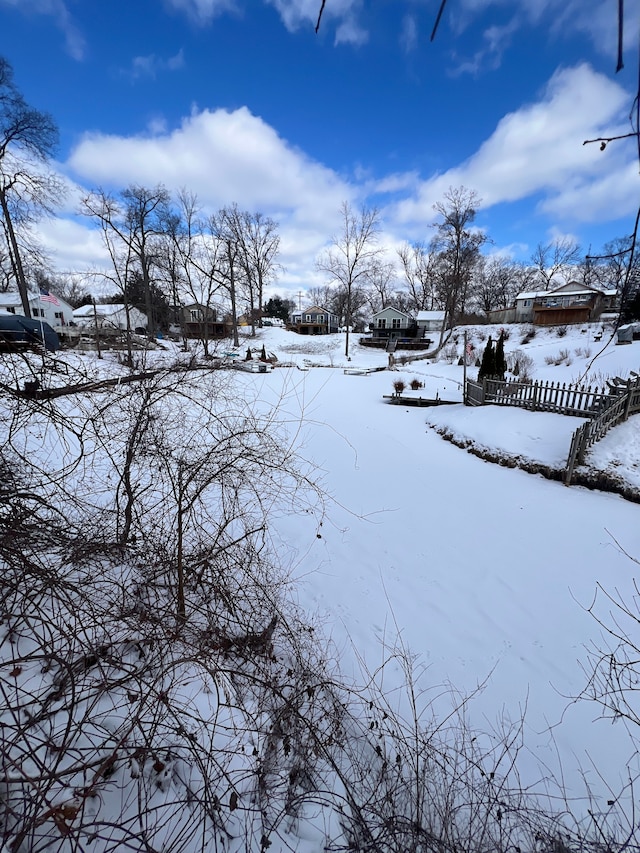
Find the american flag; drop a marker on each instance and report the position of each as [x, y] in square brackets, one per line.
[45, 296]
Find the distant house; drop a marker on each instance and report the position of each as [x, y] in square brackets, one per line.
[314, 321]
[430, 321]
[201, 321]
[572, 302]
[109, 317]
[394, 329]
[393, 324]
[43, 305]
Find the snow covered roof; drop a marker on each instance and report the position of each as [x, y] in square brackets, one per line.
[101, 310]
[430, 315]
[11, 298]
[532, 294]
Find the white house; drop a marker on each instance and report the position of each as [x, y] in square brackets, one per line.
[109, 317]
[430, 321]
[43, 305]
[393, 322]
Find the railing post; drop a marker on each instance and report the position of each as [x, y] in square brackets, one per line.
[484, 390]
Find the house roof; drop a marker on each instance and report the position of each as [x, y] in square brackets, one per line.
[430, 315]
[394, 310]
[12, 297]
[532, 294]
[313, 309]
[101, 310]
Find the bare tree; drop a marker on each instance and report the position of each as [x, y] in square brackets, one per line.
[353, 256]
[419, 276]
[194, 261]
[28, 138]
[131, 226]
[456, 250]
[494, 284]
[224, 226]
[380, 285]
[260, 243]
[555, 259]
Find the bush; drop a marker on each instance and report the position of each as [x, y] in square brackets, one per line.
[529, 335]
[415, 384]
[561, 331]
[520, 364]
[399, 386]
[450, 353]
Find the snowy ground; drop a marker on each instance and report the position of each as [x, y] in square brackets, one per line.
[484, 572]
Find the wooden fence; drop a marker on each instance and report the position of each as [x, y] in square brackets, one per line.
[603, 407]
[624, 400]
[538, 396]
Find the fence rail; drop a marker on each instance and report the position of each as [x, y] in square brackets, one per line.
[603, 407]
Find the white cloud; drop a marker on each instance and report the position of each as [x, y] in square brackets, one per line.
[150, 66]
[409, 33]
[57, 9]
[304, 13]
[495, 41]
[227, 157]
[539, 149]
[224, 156]
[594, 18]
[203, 11]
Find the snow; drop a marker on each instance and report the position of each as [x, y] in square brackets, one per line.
[484, 573]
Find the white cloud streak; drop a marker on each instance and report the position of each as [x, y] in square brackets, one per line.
[56, 9]
[539, 149]
[150, 66]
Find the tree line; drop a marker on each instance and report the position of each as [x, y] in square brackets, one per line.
[167, 251]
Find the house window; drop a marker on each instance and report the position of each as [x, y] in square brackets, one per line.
[527, 303]
[308, 318]
[59, 316]
[320, 318]
[11, 310]
[395, 323]
[382, 323]
[196, 315]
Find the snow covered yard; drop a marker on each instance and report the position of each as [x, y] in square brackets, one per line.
[474, 578]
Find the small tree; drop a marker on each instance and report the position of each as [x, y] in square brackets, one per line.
[488, 365]
[500, 361]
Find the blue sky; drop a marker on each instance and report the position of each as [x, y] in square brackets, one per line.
[241, 101]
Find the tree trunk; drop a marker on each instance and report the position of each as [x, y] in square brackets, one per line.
[14, 251]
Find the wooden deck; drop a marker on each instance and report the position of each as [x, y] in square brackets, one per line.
[396, 400]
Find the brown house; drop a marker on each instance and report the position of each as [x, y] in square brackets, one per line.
[200, 321]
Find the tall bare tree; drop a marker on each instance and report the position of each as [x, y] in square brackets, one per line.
[354, 255]
[28, 138]
[131, 226]
[260, 244]
[555, 259]
[419, 276]
[456, 249]
[224, 228]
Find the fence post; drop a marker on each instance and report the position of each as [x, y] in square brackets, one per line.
[627, 404]
[484, 390]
